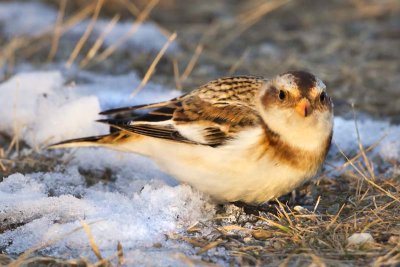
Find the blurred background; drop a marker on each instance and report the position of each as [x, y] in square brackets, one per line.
[353, 45]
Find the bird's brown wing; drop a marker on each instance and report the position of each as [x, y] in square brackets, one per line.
[209, 115]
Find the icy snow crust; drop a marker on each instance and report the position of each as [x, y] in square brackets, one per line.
[137, 209]
[141, 205]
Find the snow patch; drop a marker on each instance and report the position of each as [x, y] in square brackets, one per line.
[137, 206]
[371, 132]
[136, 219]
[27, 18]
[33, 19]
[37, 106]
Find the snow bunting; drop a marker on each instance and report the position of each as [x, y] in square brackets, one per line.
[241, 138]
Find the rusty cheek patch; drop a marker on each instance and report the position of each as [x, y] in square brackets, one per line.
[326, 106]
[267, 99]
[271, 99]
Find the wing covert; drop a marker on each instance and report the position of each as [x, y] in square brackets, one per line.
[210, 115]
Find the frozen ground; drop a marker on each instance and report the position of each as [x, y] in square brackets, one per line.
[141, 205]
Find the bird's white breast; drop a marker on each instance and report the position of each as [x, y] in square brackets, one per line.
[236, 171]
[304, 133]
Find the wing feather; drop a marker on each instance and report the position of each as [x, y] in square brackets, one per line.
[210, 115]
[140, 107]
[158, 131]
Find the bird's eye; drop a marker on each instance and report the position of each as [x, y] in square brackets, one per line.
[322, 97]
[282, 95]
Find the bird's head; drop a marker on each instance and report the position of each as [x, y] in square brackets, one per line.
[296, 106]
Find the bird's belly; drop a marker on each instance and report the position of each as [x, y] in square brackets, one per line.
[245, 185]
[229, 176]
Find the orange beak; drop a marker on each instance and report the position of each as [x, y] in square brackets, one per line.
[303, 107]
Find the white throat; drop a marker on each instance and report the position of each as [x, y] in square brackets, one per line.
[306, 133]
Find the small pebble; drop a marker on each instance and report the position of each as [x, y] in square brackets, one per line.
[360, 238]
[277, 245]
[300, 209]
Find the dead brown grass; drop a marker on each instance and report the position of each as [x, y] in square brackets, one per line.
[153, 65]
[290, 235]
[47, 40]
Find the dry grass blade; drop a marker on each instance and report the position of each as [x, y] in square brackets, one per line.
[368, 9]
[254, 15]
[192, 63]
[233, 227]
[153, 65]
[176, 74]
[57, 31]
[392, 256]
[131, 7]
[16, 125]
[120, 254]
[136, 12]
[105, 262]
[317, 261]
[367, 162]
[92, 242]
[238, 62]
[334, 219]
[366, 178]
[356, 157]
[185, 259]
[209, 246]
[35, 44]
[8, 51]
[262, 234]
[277, 225]
[283, 210]
[21, 258]
[100, 40]
[78, 17]
[14, 142]
[248, 19]
[2, 167]
[141, 17]
[192, 241]
[369, 225]
[316, 204]
[86, 34]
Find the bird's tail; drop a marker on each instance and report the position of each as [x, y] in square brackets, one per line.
[91, 141]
